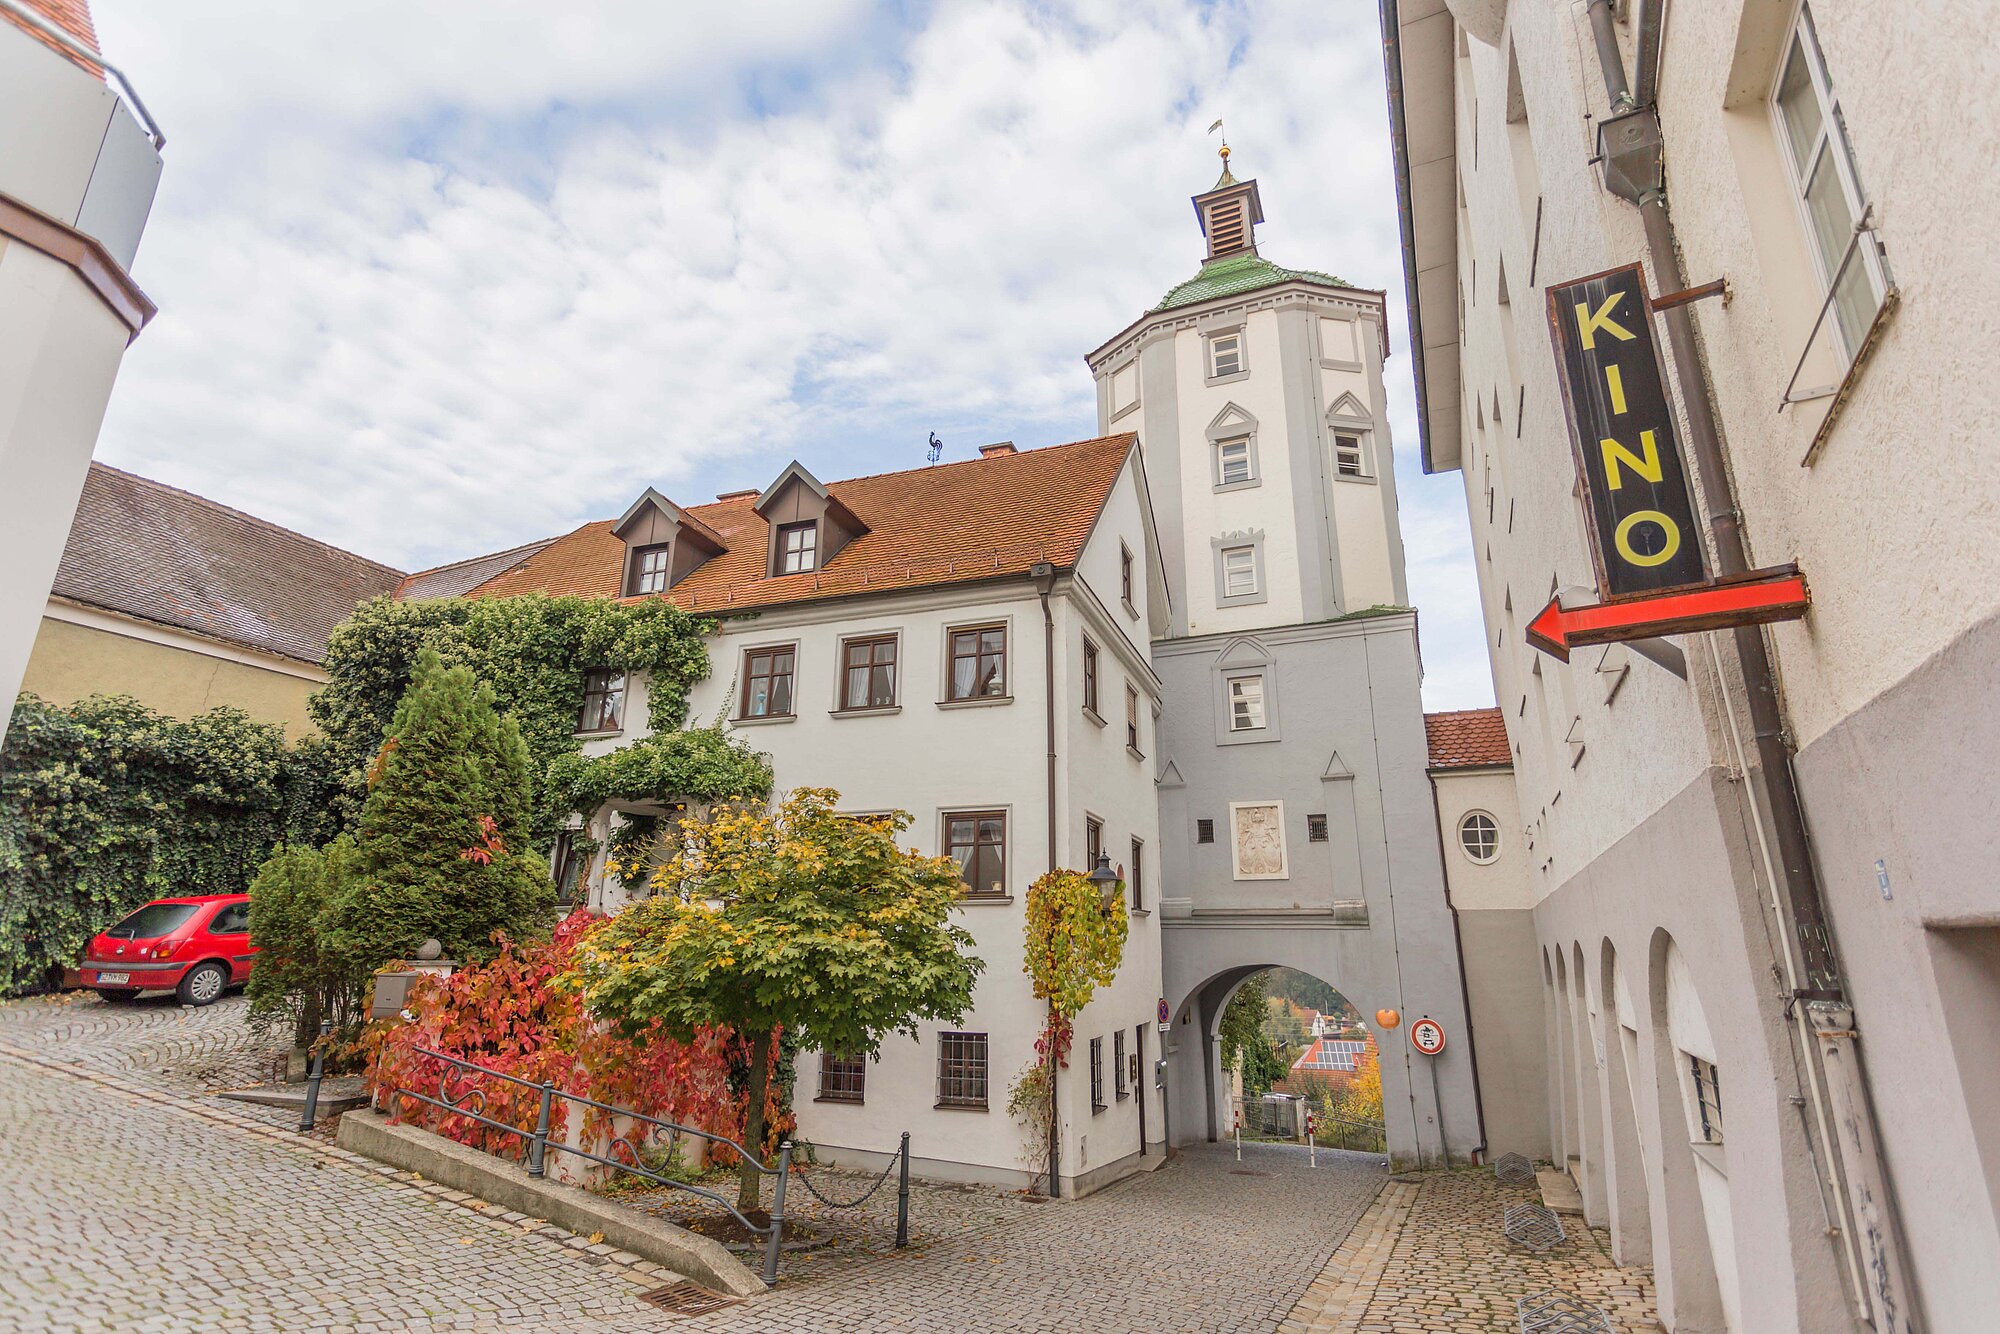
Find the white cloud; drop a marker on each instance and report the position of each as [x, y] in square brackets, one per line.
[429, 288]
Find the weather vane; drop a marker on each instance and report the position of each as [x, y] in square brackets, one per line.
[1227, 179]
[936, 449]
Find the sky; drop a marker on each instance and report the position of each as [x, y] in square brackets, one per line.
[436, 279]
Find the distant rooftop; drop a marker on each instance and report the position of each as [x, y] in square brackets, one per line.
[1468, 739]
[1230, 275]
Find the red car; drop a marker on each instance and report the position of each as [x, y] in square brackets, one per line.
[197, 947]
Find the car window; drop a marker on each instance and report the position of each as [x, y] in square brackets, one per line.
[233, 920]
[155, 919]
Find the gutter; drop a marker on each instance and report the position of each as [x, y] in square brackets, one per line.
[1399, 148]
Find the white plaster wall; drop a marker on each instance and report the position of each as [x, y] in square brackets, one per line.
[1503, 882]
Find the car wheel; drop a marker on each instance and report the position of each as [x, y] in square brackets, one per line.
[203, 985]
[118, 995]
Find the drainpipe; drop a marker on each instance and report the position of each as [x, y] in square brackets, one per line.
[1044, 575]
[1818, 1007]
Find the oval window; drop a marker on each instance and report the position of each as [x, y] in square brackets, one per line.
[1479, 835]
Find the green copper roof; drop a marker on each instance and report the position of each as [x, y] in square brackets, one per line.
[1242, 272]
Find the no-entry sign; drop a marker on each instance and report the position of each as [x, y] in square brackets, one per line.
[1427, 1036]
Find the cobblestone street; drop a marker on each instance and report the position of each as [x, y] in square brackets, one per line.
[137, 1201]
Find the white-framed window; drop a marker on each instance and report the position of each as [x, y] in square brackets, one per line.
[798, 548]
[1479, 837]
[1819, 159]
[1246, 703]
[1239, 572]
[1234, 463]
[1225, 355]
[1350, 454]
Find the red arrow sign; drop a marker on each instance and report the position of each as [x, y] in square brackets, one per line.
[1748, 599]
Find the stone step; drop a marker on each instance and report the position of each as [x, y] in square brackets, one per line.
[1559, 1193]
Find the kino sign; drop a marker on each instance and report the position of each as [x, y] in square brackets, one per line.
[1647, 550]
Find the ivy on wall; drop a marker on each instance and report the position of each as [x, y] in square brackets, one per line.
[533, 651]
[106, 803]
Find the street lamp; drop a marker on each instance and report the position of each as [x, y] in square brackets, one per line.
[1105, 879]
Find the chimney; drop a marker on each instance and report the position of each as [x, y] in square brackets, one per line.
[738, 495]
[997, 450]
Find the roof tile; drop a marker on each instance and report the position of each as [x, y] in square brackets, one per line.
[1468, 739]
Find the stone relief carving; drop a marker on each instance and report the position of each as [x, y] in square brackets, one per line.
[1260, 840]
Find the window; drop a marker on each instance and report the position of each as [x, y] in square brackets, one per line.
[649, 570]
[1097, 1074]
[1132, 718]
[567, 866]
[1118, 1065]
[1246, 703]
[1239, 572]
[1233, 466]
[978, 663]
[977, 841]
[868, 676]
[1125, 573]
[233, 920]
[798, 548]
[603, 701]
[1089, 676]
[1828, 187]
[1479, 835]
[962, 1070]
[1093, 843]
[1347, 455]
[1707, 1098]
[1135, 879]
[1225, 355]
[1204, 831]
[767, 682]
[842, 1078]
[1315, 829]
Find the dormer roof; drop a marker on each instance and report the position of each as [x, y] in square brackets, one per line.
[796, 472]
[687, 523]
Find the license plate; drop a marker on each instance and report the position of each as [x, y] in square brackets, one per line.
[112, 978]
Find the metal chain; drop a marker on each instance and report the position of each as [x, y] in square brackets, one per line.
[864, 1197]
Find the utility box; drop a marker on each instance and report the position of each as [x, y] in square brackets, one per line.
[392, 985]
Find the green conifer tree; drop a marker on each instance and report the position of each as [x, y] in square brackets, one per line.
[442, 849]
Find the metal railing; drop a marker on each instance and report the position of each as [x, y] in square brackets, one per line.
[470, 1101]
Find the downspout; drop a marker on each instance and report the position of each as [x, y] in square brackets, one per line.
[1044, 575]
[1817, 997]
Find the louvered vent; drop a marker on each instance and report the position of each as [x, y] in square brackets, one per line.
[1225, 227]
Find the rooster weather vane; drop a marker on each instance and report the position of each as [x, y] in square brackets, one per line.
[936, 449]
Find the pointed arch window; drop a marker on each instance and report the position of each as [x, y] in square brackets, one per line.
[1350, 438]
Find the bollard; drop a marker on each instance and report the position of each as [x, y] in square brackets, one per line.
[313, 1077]
[538, 1147]
[772, 1246]
[903, 1198]
[1237, 1131]
[1312, 1148]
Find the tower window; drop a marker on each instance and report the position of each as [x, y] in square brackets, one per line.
[1225, 227]
[798, 548]
[1239, 572]
[1246, 703]
[1225, 355]
[1348, 457]
[1233, 463]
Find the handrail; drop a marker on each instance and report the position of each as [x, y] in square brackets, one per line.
[470, 1101]
[82, 52]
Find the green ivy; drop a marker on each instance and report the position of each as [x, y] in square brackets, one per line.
[105, 804]
[533, 651]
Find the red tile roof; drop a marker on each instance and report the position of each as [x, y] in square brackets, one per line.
[949, 524]
[151, 551]
[73, 17]
[1468, 739]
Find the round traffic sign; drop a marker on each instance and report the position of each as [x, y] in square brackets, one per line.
[1427, 1036]
[1166, 1015]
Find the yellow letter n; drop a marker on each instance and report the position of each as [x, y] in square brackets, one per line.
[1588, 324]
[1646, 463]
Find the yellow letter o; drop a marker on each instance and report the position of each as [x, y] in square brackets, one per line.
[1623, 538]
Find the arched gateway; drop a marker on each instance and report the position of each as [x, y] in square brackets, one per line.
[1297, 825]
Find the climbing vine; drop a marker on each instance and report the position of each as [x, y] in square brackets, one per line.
[533, 651]
[107, 803]
[1075, 942]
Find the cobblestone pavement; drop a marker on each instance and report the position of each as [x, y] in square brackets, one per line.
[1429, 1256]
[135, 1201]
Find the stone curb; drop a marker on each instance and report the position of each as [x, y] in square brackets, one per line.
[498, 1181]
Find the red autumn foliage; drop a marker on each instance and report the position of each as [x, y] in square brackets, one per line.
[504, 1015]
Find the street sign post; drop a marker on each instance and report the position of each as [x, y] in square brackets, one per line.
[1427, 1036]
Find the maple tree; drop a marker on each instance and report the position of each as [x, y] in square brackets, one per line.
[802, 920]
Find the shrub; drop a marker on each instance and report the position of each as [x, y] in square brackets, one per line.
[300, 978]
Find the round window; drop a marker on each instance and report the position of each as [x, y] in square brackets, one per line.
[1479, 835]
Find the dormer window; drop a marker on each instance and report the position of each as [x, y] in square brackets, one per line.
[649, 570]
[798, 548]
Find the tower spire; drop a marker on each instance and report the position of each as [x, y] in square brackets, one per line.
[1225, 179]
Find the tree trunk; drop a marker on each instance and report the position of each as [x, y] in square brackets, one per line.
[753, 1122]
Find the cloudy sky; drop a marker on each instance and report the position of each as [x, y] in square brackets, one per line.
[437, 278]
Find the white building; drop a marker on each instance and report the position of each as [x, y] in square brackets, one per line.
[1759, 856]
[77, 175]
[886, 637]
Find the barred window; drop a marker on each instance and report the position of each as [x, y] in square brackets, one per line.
[962, 1070]
[1204, 831]
[1097, 1074]
[842, 1078]
[1118, 1065]
[1316, 829]
[1707, 1098]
